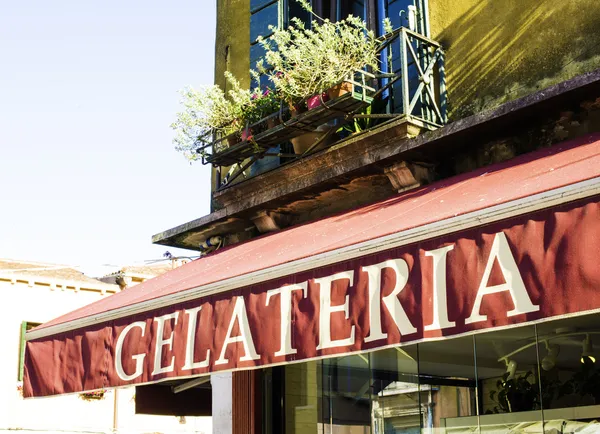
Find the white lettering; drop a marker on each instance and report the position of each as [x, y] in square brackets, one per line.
[390, 301]
[191, 342]
[285, 302]
[139, 358]
[161, 342]
[327, 309]
[245, 337]
[440, 304]
[513, 282]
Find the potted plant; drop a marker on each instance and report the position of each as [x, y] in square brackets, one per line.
[307, 62]
[583, 386]
[210, 111]
[96, 395]
[263, 102]
[205, 111]
[515, 394]
[310, 65]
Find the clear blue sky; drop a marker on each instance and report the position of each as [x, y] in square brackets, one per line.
[88, 89]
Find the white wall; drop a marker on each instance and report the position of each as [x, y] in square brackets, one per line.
[222, 386]
[66, 414]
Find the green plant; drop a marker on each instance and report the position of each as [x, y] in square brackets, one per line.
[96, 395]
[210, 111]
[584, 382]
[263, 102]
[205, 111]
[515, 394]
[303, 62]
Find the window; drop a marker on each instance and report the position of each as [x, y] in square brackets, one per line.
[263, 15]
[25, 326]
[516, 379]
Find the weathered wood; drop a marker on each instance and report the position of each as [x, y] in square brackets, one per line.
[298, 125]
[405, 176]
[269, 221]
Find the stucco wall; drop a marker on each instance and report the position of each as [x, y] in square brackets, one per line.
[65, 414]
[232, 42]
[232, 48]
[501, 50]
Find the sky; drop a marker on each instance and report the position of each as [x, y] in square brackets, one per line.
[88, 89]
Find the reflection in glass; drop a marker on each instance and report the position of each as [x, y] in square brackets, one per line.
[569, 374]
[260, 21]
[395, 395]
[345, 401]
[542, 379]
[255, 4]
[302, 384]
[447, 380]
[508, 374]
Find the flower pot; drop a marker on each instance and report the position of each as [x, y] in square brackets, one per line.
[247, 134]
[296, 109]
[317, 100]
[232, 139]
[305, 141]
[272, 122]
[339, 89]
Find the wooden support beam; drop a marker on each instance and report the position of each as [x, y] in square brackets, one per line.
[405, 176]
[246, 405]
[269, 221]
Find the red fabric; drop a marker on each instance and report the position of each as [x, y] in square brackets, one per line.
[555, 251]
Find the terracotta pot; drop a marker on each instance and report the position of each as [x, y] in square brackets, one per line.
[339, 89]
[317, 100]
[246, 134]
[232, 139]
[296, 109]
[305, 141]
[272, 122]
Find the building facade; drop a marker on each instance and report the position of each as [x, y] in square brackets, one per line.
[432, 273]
[33, 293]
[498, 58]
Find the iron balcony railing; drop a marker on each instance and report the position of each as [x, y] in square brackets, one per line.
[410, 84]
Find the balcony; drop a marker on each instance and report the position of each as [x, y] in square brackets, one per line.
[408, 90]
[372, 165]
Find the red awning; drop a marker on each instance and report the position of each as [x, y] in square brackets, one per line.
[421, 265]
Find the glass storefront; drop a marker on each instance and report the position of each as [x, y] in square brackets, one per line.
[531, 379]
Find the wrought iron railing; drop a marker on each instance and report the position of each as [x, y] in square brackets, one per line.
[409, 85]
[412, 73]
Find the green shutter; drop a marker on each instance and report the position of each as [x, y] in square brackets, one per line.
[25, 326]
[22, 350]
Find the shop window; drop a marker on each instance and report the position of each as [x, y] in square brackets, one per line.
[448, 385]
[570, 373]
[397, 400]
[25, 326]
[521, 379]
[345, 400]
[508, 378]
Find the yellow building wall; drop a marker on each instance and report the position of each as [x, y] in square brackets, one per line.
[496, 50]
[232, 42]
[232, 48]
[499, 50]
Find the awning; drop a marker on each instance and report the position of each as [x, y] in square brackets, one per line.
[511, 243]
